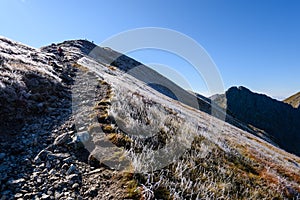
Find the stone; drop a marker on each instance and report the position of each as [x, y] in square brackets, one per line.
[73, 177]
[71, 169]
[18, 195]
[49, 192]
[65, 166]
[39, 180]
[17, 181]
[48, 165]
[62, 139]
[83, 137]
[72, 127]
[58, 156]
[52, 172]
[41, 156]
[75, 186]
[81, 128]
[28, 195]
[57, 195]
[45, 196]
[68, 160]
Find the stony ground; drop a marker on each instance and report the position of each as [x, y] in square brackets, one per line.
[58, 118]
[45, 158]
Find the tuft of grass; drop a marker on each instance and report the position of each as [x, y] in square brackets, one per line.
[80, 67]
[216, 165]
[108, 129]
[102, 117]
[133, 191]
[102, 82]
[120, 140]
[113, 68]
[104, 102]
[101, 107]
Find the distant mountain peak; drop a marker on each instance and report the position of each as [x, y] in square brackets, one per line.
[280, 120]
[80, 116]
[242, 88]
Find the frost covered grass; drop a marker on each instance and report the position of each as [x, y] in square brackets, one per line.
[159, 136]
[178, 152]
[19, 59]
[176, 156]
[214, 174]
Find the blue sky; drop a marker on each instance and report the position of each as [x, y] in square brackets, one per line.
[253, 43]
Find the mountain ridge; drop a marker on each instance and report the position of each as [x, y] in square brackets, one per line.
[278, 119]
[59, 153]
[160, 83]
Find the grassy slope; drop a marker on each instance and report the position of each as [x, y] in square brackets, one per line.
[223, 161]
[293, 100]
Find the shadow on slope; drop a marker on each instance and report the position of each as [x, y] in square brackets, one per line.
[109, 57]
[31, 106]
[149, 76]
[280, 120]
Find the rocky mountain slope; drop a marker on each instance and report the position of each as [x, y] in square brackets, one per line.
[293, 100]
[281, 121]
[83, 126]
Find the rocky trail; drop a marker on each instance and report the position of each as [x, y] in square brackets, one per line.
[80, 126]
[47, 159]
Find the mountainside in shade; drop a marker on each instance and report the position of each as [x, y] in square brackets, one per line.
[280, 120]
[163, 85]
[218, 102]
[88, 125]
[293, 100]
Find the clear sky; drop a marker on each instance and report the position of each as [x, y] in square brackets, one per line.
[253, 43]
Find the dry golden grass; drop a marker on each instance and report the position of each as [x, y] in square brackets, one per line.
[219, 165]
[108, 128]
[113, 68]
[80, 67]
[104, 102]
[102, 82]
[128, 181]
[230, 164]
[119, 140]
[293, 100]
[272, 171]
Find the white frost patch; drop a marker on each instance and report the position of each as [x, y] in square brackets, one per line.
[24, 55]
